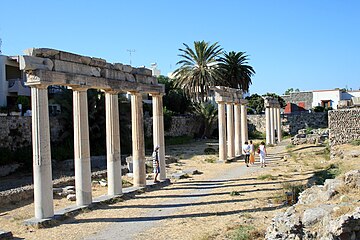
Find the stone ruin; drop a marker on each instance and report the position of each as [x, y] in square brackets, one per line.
[46, 67]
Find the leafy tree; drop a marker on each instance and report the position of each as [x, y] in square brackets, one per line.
[290, 90]
[280, 99]
[235, 71]
[175, 99]
[198, 69]
[208, 114]
[256, 102]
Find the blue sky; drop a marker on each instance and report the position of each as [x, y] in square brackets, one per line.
[308, 44]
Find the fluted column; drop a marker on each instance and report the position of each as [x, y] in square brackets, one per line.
[268, 128]
[272, 126]
[43, 190]
[244, 127]
[222, 131]
[158, 131]
[279, 124]
[138, 148]
[113, 144]
[82, 147]
[230, 130]
[237, 119]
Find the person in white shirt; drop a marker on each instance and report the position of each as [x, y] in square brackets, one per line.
[262, 153]
[246, 150]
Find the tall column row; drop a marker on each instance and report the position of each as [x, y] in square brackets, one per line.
[43, 193]
[273, 121]
[232, 129]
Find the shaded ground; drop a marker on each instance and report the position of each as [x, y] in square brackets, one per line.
[212, 205]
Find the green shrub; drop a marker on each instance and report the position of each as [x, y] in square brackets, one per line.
[355, 142]
[266, 176]
[243, 232]
[331, 172]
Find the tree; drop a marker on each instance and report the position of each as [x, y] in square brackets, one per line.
[175, 99]
[290, 90]
[235, 71]
[208, 114]
[256, 102]
[198, 69]
[280, 99]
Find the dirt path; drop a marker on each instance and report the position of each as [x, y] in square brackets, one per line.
[177, 198]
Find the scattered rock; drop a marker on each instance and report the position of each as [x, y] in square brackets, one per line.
[71, 197]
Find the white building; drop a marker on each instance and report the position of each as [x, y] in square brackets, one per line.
[155, 71]
[11, 81]
[332, 98]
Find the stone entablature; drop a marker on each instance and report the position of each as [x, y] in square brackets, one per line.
[54, 67]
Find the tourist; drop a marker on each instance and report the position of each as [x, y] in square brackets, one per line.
[246, 150]
[156, 165]
[252, 153]
[262, 152]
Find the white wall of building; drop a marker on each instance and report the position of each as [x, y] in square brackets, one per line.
[348, 95]
[3, 82]
[323, 95]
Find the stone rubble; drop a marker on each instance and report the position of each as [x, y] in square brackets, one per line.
[313, 137]
[313, 216]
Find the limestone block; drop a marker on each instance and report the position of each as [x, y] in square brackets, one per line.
[152, 80]
[352, 178]
[97, 62]
[42, 52]
[109, 66]
[33, 63]
[118, 66]
[314, 215]
[71, 197]
[70, 67]
[142, 71]
[129, 77]
[140, 78]
[112, 74]
[127, 68]
[70, 57]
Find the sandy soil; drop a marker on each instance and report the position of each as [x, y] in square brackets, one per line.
[200, 207]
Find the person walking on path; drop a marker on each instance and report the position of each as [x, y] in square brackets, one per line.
[156, 165]
[246, 150]
[252, 153]
[262, 153]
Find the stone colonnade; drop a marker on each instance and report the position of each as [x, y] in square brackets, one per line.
[45, 67]
[232, 122]
[273, 120]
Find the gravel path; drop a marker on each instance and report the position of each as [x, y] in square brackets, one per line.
[128, 228]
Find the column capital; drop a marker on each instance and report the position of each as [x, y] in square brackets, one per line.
[79, 88]
[156, 94]
[39, 86]
[113, 92]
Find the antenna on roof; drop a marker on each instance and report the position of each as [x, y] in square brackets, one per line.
[130, 51]
[0, 45]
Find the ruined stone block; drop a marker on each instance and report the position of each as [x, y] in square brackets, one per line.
[129, 77]
[127, 68]
[76, 68]
[97, 62]
[112, 74]
[34, 63]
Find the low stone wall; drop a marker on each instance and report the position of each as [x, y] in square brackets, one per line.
[344, 126]
[291, 123]
[15, 131]
[180, 125]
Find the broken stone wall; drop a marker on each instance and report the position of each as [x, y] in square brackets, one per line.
[344, 126]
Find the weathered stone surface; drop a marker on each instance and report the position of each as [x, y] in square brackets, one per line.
[112, 74]
[43, 52]
[127, 68]
[118, 66]
[5, 234]
[71, 197]
[33, 63]
[7, 169]
[129, 77]
[142, 71]
[352, 178]
[69, 67]
[344, 126]
[71, 57]
[314, 217]
[97, 62]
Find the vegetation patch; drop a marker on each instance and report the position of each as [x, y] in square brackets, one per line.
[244, 232]
[331, 172]
[355, 142]
[267, 177]
[209, 151]
[210, 160]
[178, 140]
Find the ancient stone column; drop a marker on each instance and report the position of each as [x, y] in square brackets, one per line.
[82, 147]
[278, 124]
[272, 125]
[222, 131]
[43, 190]
[237, 119]
[113, 144]
[158, 131]
[244, 127]
[268, 128]
[230, 130]
[138, 147]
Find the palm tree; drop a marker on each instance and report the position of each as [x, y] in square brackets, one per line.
[235, 71]
[208, 113]
[198, 69]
